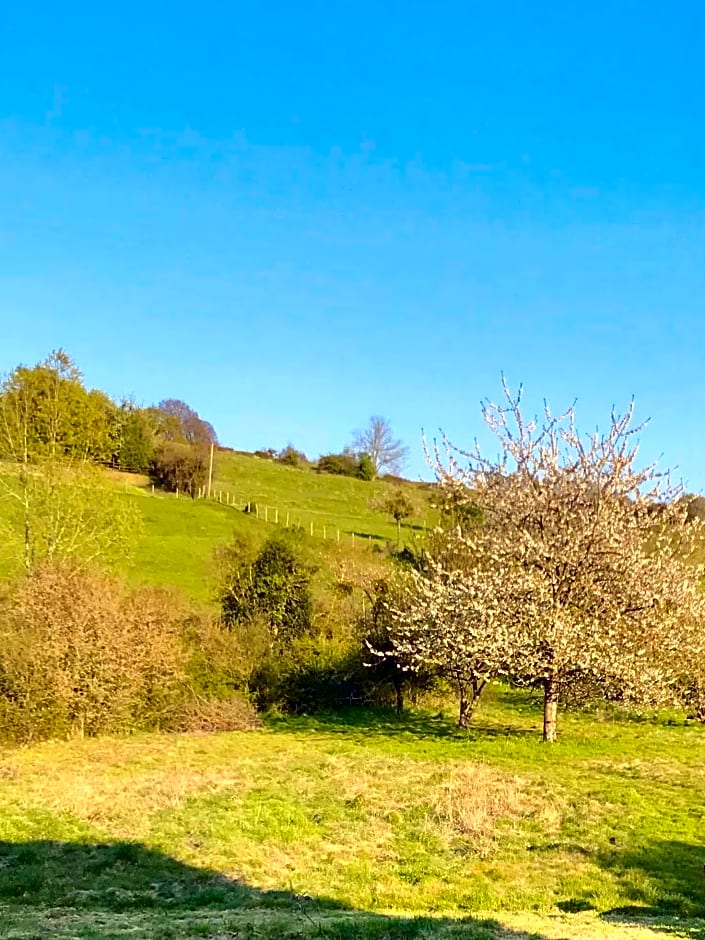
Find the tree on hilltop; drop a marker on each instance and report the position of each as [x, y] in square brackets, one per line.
[180, 423]
[377, 440]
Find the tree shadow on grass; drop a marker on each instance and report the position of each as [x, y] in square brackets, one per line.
[666, 881]
[368, 536]
[385, 722]
[106, 890]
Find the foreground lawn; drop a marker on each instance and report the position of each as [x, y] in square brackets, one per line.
[360, 827]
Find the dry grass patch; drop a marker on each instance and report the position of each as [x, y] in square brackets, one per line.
[470, 801]
[210, 716]
[465, 801]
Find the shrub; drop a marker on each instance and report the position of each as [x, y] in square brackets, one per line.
[291, 457]
[216, 715]
[347, 464]
[365, 468]
[79, 654]
[181, 467]
[274, 586]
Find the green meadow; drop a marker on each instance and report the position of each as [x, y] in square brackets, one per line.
[361, 826]
[180, 535]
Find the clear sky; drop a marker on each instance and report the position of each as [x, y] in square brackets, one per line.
[294, 215]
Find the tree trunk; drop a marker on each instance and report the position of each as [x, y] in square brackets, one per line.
[399, 689]
[469, 697]
[398, 533]
[464, 711]
[550, 708]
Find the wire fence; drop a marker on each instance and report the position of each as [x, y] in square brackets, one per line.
[288, 518]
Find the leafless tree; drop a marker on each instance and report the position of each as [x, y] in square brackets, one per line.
[377, 439]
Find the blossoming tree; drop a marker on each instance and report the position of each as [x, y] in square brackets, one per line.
[576, 567]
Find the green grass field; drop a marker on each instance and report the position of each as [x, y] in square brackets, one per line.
[180, 536]
[361, 826]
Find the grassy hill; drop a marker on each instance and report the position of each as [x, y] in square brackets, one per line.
[362, 827]
[180, 535]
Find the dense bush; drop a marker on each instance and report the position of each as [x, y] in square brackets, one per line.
[305, 643]
[214, 715]
[273, 586]
[289, 456]
[347, 464]
[365, 467]
[312, 674]
[298, 636]
[80, 654]
[181, 467]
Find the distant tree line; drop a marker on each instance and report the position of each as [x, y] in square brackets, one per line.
[48, 414]
[373, 451]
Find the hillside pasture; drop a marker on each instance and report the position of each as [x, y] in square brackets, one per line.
[179, 536]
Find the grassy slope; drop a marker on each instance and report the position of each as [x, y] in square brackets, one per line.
[365, 827]
[180, 535]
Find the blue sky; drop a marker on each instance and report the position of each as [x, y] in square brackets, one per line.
[296, 215]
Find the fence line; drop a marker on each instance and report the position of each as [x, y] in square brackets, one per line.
[290, 519]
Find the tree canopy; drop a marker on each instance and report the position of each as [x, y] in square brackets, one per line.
[574, 571]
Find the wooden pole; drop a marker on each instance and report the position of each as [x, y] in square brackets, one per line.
[210, 472]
